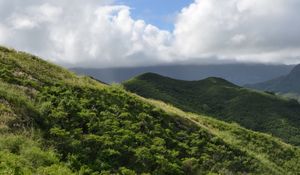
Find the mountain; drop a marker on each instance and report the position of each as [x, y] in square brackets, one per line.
[53, 122]
[223, 100]
[285, 84]
[240, 74]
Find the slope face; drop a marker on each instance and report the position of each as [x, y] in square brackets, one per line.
[53, 122]
[216, 97]
[285, 84]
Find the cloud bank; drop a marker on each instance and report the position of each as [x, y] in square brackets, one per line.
[246, 30]
[92, 33]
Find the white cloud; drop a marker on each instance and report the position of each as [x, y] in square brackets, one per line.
[84, 34]
[246, 30]
[101, 34]
[34, 16]
[238, 38]
[22, 23]
[4, 33]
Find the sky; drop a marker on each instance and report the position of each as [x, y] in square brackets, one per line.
[160, 13]
[124, 33]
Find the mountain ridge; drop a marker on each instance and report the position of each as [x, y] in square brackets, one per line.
[240, 74]
[289, 83]
[223, 100]
[212, 79]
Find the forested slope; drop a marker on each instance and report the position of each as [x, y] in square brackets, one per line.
[259, 111]
[53, 122]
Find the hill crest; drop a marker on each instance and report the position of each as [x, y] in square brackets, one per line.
[223, 100]
[213, 80]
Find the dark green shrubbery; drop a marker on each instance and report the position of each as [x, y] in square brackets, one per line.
[223, 100]
[107, 131]
[20, 155]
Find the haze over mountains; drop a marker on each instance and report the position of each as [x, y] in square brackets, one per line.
[287, 84]
[240, 74]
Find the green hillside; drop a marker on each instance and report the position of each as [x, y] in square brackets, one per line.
[223, 100]
[53, 122]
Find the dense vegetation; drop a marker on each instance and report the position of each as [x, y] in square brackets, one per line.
[53, 122]
[221, 99]
[288, 85]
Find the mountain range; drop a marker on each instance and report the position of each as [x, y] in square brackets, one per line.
[287, 84]
[240, 74]
[53, 122]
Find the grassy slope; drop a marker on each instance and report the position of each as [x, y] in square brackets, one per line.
[264, 147]
[216, 97]
[52, 122]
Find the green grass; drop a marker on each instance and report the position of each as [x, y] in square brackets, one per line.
[54, 122]
[223, 100]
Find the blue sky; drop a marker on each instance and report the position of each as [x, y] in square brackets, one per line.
[160, 13]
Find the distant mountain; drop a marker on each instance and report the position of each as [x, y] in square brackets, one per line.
[226, 101]
[285, 84]
[240, 74]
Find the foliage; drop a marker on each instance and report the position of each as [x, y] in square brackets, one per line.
[57, 123]
[108, 130]
[21, 155]
[223, 100]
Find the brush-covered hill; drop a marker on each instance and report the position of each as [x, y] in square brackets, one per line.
[289, 84]
[53, 122]
[223, 100]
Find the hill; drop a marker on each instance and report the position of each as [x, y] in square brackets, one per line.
[288, 84]
[223, 100]
[54, 122]
[240, 74]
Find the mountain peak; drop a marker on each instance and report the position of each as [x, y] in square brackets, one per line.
[285, 84]
[296, 70]
[149, 75]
